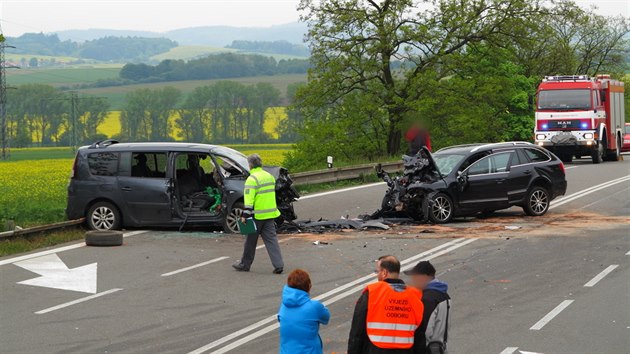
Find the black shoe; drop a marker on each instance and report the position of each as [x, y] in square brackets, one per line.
[240, 267]
[278, 270]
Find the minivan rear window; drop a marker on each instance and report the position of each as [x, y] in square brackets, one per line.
[103, 163]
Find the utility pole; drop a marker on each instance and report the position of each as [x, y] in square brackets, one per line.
[3, 99]
[73, 117]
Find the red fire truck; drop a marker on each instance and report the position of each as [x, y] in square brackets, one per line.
[580, 116]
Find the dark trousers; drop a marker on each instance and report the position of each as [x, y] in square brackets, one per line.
[266, 229]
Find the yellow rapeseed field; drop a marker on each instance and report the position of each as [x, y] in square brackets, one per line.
[273, 118]
[33, 192]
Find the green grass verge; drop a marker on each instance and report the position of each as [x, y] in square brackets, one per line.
[33, 242]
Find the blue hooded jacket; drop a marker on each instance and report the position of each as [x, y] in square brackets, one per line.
[299, 318]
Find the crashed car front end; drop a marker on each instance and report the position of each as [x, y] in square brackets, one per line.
[409, 194]
[286, 193]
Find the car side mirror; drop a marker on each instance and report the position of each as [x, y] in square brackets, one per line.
[462, 180]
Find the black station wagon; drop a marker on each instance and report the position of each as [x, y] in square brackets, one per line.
[467, 180]
[115, 185]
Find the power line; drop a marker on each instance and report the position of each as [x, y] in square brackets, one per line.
[3, 99]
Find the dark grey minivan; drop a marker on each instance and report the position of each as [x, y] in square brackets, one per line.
[115, 185]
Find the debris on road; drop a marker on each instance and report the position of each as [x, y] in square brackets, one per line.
[512, 227]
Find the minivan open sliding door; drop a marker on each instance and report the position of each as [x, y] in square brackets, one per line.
[144, 180]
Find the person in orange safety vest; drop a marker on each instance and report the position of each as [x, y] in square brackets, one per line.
[387, 313]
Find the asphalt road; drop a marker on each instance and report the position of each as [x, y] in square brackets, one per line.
[513, 290]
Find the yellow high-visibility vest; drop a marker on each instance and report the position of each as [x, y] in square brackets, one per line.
[260, 194]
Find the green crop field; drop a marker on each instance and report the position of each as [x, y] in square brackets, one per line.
[186, 52]
[116, 94]
[33, 183]
[61, 76]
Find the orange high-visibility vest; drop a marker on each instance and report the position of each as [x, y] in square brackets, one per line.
[393, 315]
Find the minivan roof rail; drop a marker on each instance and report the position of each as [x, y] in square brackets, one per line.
[103, 143]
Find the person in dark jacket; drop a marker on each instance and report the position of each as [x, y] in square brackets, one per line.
[433, 332]
[300, 317]
[387, 270]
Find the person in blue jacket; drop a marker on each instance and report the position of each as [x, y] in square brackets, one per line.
[299, 317]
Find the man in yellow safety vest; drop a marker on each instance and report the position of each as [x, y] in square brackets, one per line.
[260, 202]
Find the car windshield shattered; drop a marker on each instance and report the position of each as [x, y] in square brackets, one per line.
[447, 162]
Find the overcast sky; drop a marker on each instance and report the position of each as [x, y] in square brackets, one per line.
[19, 16]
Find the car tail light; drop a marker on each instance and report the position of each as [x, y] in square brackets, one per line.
[562, 168]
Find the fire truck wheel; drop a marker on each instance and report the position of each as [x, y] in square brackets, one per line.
[613, 156]
[566, 157]
[537, 202]
[597, 154]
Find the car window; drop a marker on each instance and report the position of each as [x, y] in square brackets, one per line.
[627, 129]
[472, 160]
[495, 163]
[228, 167]
[535, 155]
[103, 163]
[148, 164]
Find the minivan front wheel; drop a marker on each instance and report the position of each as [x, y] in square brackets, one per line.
[103, 216]
[230, 224]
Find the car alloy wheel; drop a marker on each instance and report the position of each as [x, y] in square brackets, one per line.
[231, 220]
[103, 218]
[539, 201]
[441, 209]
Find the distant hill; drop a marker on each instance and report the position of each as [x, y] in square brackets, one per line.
[214, 36]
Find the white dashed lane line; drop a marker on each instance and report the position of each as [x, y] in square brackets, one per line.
[601, 276]
[550, 316]
[77, 301]
[194, 266]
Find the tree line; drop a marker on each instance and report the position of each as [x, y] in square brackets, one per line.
[216, 66]
[104, 49]
[224, 112]
[466, 70]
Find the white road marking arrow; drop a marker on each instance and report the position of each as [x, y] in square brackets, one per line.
[55, 274]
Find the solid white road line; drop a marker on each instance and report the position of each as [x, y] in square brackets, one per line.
[588, 191]
[83, 299]
[571, 167]
[194, 266]
[509, 350]
[334, 291]
[409, 263]
[309, 196]
[58, 249]
[548, 317]
[601, 276]
[628, 253]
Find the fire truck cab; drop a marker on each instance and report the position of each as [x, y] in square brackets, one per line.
[580, 115]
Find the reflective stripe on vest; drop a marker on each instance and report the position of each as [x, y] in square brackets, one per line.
[394, 313]
[259, 194]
